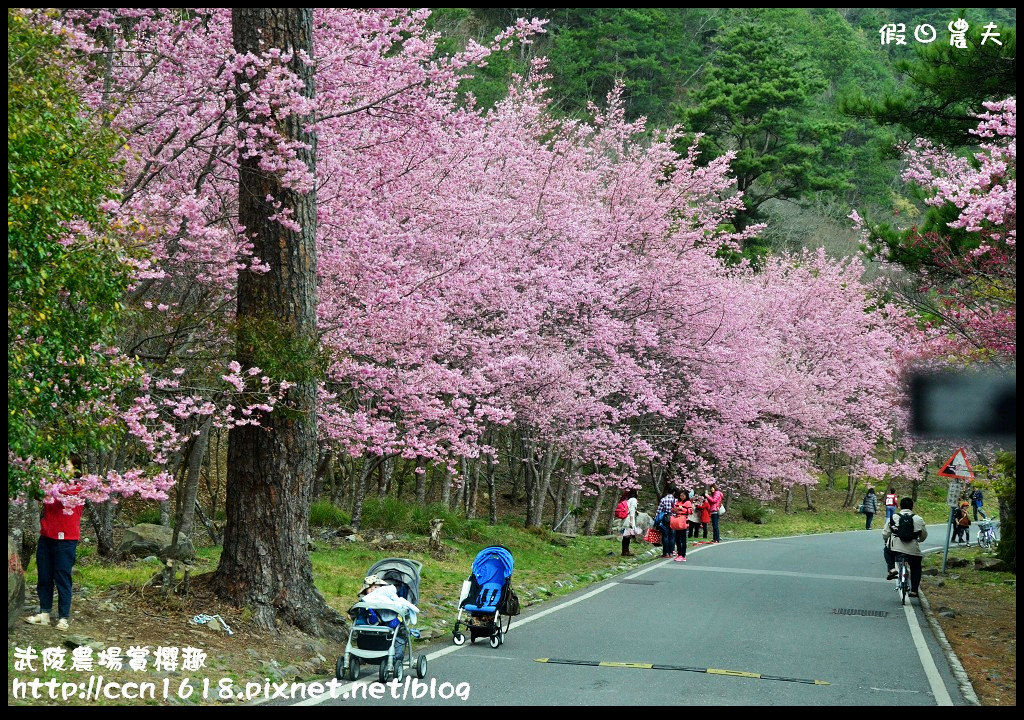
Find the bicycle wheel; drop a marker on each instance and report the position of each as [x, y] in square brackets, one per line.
[904, 583]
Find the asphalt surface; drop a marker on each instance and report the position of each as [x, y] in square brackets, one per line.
[786, 621]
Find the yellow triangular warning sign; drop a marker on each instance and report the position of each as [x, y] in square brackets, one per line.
[957, 467]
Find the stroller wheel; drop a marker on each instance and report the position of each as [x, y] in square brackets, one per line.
[501, 637]
[399, 671]
[495, 641]
[421, 667]
[458, 638]
[353, 669]
[382, 671]
[339, 668]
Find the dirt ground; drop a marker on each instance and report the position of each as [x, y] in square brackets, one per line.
[983, 631]
[126, 617]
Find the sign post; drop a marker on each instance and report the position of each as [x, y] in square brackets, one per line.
[956, 489]
[959, 470]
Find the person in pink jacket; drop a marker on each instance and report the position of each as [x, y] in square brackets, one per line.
[716, 498]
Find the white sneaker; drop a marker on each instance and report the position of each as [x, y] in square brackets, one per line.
[40, 619]
[62, 624]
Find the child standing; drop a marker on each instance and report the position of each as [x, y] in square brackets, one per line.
[693, 521]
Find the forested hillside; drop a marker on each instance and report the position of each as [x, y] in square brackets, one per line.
[805, 79]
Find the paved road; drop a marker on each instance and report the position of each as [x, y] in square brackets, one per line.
[705, 627]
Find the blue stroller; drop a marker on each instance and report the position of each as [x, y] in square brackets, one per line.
[486, 597]
[380, 630]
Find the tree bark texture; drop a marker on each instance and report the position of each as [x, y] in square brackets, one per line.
[185, 521]
[271, 466]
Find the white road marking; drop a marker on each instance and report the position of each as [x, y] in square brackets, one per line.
[934, 678]
[787, 573]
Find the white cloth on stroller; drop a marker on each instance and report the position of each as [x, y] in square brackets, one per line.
[385, 600]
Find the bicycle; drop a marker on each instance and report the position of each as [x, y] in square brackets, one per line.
[903, 577]
[988, 534]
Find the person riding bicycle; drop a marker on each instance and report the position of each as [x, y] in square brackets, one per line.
[902, 539]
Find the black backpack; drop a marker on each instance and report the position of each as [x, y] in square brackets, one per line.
[904, 527]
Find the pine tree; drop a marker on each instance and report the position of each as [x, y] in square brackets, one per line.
[757, 102]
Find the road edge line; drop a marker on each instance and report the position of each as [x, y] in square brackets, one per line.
[962, 678]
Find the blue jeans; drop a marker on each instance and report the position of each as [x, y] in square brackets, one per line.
[668, 540]
[889, 512]
[714, 527]
[54, 560]
[869, 515]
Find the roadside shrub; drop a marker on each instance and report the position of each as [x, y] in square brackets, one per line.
[149, 515]
[456, 525]
[323, 513]
[387, 514]
[751, 511]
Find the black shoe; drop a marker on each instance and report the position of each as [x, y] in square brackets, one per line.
[912, 594]
[892, 575]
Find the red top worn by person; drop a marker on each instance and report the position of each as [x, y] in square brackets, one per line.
[57, 524]
[705, 512]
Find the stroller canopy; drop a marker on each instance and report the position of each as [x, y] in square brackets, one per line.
[400, 571]
[493, 564]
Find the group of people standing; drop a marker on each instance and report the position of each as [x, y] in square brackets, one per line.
[680, 514]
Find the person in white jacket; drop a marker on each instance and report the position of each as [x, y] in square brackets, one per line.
[911, 549]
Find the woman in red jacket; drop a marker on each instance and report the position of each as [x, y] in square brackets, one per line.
[59, 532]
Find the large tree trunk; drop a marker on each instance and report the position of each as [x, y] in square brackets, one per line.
[595, 512]
[359, 498]
[492, 492]
[185, 520]
[102, 516]
[542, 483]
[421, 481]
[446, 488]
[572, 493]
[388, 473]
[265, 565]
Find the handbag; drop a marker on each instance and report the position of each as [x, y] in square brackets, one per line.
[653, 536]
[678, 522]
[510, 606]
[860, 509]
[721, 511]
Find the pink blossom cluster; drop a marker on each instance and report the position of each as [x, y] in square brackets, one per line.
[977, 288]
[476, 269]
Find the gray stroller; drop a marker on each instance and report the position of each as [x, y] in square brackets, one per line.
[380, 627]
